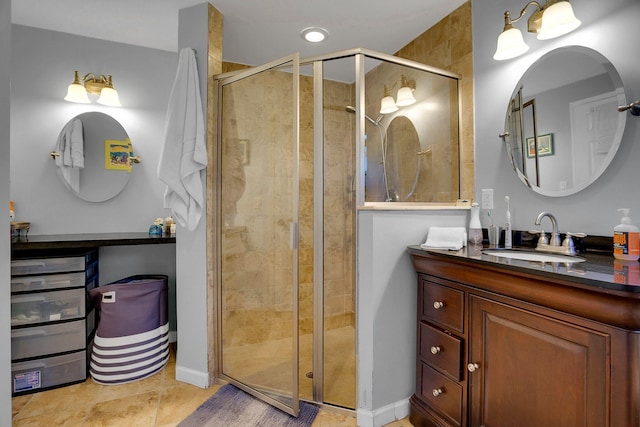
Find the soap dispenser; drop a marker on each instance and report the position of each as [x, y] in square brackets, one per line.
[475, 228]
[626, 239]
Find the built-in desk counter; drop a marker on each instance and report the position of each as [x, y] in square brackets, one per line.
[91, 240]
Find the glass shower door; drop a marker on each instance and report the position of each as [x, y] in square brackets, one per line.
[258, 190]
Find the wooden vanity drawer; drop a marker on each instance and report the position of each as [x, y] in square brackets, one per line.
[442, 305]
[441, 393]
[441, 350]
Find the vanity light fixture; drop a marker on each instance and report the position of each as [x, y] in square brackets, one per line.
[552, 20]
[404, 96]
[314, 34]
[102, 85]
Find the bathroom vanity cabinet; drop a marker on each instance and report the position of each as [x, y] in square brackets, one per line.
[501, 346]
[51, 322]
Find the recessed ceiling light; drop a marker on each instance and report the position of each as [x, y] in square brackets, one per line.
[314, 34]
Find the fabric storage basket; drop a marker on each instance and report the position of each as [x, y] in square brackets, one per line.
[132, 337]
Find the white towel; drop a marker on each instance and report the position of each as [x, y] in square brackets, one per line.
[452, 238]
[70, 147]
[183, 159]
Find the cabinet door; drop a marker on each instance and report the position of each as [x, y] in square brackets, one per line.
[529, 370]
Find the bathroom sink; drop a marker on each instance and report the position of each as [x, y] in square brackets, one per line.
[525, 255]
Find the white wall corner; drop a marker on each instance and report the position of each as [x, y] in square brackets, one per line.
[385, 415]
[193, 377]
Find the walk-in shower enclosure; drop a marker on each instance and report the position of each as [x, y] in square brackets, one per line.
[301, 145]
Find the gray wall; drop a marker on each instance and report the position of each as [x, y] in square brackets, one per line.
[191, 247]
[604, 27]
[387, 303]
[42, 66]
[5, 309]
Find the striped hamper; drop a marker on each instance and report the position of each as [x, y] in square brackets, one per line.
[132, 338]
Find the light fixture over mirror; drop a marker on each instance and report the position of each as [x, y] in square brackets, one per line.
[404, 96]
[552, 20]
[102, 85]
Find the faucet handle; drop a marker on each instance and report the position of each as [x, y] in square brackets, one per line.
[543, 237]
[568, 241]
[580, 235]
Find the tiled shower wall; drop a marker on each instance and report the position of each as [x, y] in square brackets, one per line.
[447, 45]
[254, 309]
[258, 282]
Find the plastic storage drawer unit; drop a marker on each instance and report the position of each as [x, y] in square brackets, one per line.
[48, 339]
[47, 306]
[48, 372]
[132, 337]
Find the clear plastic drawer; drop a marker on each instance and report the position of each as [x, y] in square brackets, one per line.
[48, 339]
[46, 265]
[47, 282]
[78, 261]
[47, 306]
[35, 375]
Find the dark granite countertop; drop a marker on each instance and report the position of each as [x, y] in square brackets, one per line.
[600, 270]
[91, 240]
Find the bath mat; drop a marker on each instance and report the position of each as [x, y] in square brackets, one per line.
[231, 407]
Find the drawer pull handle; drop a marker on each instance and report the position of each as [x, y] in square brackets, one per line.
[438, 304]
[435, 349]
[437, 392]
[472, 367]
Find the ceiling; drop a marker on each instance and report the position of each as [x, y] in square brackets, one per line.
[255, 31]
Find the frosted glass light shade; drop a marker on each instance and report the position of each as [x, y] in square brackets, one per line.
[77, 93]
[557, 20]
[510, 45]
[109, 97]
[405, 97]
[388, 105]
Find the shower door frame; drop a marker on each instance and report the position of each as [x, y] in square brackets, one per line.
[221, 81]
[359, 55]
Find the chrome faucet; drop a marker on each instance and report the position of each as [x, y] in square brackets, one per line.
[553, 245]
[555, 237]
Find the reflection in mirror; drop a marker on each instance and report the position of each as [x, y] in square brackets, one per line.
[562, 126]
[93, 156]
[412, 154]
[402, 168]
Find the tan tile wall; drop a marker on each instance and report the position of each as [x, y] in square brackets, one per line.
[254, 299]
[447, 45]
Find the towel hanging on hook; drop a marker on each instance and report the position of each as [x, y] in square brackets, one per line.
[183, 159]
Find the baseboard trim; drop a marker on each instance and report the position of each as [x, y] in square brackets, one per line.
[193, 377]
[385, 415]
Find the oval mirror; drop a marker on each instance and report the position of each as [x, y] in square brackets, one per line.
[402, 161]
[562, 126]
[92, 156]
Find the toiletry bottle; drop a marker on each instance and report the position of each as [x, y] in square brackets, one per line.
[475, 228]
[12, 213]
[507, 226]
[156, 228]
[626, 239]
[167, 224]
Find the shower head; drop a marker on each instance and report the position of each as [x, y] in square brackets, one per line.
[376, 122]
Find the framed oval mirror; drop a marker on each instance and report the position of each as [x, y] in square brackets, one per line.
[562, 126]
[92, 156]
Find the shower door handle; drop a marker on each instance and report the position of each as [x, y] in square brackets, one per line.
[293, 235]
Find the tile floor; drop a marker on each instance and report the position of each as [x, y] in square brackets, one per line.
[158, 401]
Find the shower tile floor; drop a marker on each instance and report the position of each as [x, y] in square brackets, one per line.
[157, 401]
